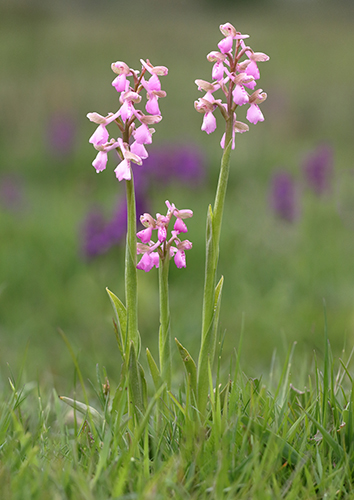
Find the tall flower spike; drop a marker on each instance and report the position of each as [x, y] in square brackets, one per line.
[131, 150]
[231, 75]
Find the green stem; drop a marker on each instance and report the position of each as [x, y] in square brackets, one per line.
[214, 222]
[131, 287]
[164, 333]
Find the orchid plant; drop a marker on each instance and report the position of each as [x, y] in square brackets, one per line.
[235, 72]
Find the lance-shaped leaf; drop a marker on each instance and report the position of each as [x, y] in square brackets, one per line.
[189, 365]
[155, 373]
[207, 351]
[135, 383]
[121, 317]
[83, 408]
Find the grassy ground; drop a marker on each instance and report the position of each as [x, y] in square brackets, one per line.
[277, 274]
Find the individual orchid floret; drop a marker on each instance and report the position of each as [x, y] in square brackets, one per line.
[148, 261]
[100, 162]
[180, 255]
[150, 224]
[153, 86]
[122, 70]
[253, 57]
[254, 114]
[100, 136]
[128, 99]
[123, 169]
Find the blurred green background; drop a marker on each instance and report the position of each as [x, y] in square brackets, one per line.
[55, 61]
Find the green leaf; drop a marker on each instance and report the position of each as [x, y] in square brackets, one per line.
[155, 373]
[207, 351]
[83, 408]
[121, 317]
[135, 383]
[189, 365]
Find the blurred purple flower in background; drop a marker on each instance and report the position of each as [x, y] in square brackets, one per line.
[184, 163]
[11, 193]
[99, 235]
[61, 134]
[283, 196]
[318, 169]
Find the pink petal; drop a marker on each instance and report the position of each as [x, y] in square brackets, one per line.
[126, 111]
[100, 162]
[155, 259]
[152, 106]
[100, 136]
[142, 134]
[254, 114]
[122, 170]
[239, 95]
[145, 235]
[119, 82]
[252, 69]
[146, 263]
[226, 44]
[139, 150]
[180, 226]
[180, 259]
[209, 122]
[218, 71]
[162, 233]
[154, 83]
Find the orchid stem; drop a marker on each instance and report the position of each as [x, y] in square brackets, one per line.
[131, 287]
[214, 222]
[164, 333]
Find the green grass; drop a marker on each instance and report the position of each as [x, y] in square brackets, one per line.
[288, 438]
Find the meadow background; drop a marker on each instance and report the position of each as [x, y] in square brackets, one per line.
[55, 67]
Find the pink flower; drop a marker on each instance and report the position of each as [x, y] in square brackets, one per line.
[218, 71]
[254, 114]
[145, 235]
[180, 226]
[239, 95]
[148, 261]
[143, 135]
[123, 169]
[180, 259]
[209, 122]
[226, 44]
[100, 162]
[153, 86]
[100, 136]
[180, 255]
[139, 150]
